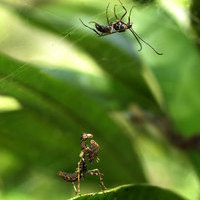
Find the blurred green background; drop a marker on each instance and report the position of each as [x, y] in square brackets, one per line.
[58, 80]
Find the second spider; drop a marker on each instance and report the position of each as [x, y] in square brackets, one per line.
[118, 26]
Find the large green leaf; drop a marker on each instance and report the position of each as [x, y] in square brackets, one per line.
[115, 54]
[133, 192]
[177, 73]
[57, 106]
[48, 98]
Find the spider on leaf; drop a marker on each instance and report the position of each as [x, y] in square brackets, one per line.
[118, 26]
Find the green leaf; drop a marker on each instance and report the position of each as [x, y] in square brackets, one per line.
[115, 55]
[177, 73]
[68, 111]
[133, 192]
[56, 106]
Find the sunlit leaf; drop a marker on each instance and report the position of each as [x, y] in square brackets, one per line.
[133, 192]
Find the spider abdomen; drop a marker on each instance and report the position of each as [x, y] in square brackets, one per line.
[103, 29]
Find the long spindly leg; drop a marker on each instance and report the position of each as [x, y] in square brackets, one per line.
[124, 9]
[90, 28]
[136, 39]
[115, 12]
[135, 34]
[74, 187]
[105, 34]
[129, 17]
[107, 14]
[96, 172]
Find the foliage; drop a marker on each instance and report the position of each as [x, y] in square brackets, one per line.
[58, 80]
[132, 192]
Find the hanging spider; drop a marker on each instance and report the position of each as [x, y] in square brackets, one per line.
[118, 26]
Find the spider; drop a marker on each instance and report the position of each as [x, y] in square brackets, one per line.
[118, 26]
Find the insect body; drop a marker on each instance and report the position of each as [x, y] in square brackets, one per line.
[89, 152]
[69, 177]
[104, 29]
[118, 26]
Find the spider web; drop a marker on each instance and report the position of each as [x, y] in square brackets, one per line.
[74, 29]
[65, 35]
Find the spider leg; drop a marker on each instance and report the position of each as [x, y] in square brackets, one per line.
[115, 12]
[96, 172]
[129, 17]
[136, 39]
[93, 22]
[145, 41]
[107, 13]
[90, 28]
[105, 34]
[124, 9]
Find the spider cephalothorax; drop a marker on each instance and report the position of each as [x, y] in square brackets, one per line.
[120, 26]
[117, 26]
